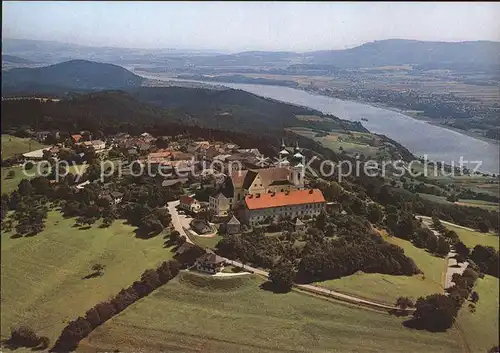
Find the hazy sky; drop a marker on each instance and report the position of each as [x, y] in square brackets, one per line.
[238, 26]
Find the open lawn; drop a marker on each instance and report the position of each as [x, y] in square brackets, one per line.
[480, 328]
[471, 238]
[235, 315]
[10, 184]
[478, 203]
[387, 288]
[42, 276]
[207, 242]
[12, 145]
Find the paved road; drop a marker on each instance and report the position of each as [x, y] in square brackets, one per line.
[320, 290]
[429, 219]
[452, 265]
[179, 221]
[182, 221]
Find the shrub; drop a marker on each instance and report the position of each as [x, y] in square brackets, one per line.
[23, 336]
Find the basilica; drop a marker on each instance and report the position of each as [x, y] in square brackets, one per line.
[279, 189]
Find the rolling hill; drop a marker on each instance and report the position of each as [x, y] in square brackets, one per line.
[15, 60]
[412, 52]
[70, 75]
[421, 54]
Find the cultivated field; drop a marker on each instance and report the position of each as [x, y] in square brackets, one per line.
[352, 143]
[12, 145]
[42, 276]
[193, 315]
[387, 288]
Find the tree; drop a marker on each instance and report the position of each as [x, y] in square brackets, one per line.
[321, 221]
[404, 302]
[435, 312]
[11, 174]
[282, 276]
[374, 213]
[175, 236]
[462, 249]
[23, 336]
[443, 247]
[483, 226]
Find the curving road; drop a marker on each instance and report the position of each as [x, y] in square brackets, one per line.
[181, 222]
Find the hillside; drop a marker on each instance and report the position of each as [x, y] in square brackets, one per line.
[412, 52]
[70, 75]
[235, 109]
[15, 59]
[216, 109]
[423, 54]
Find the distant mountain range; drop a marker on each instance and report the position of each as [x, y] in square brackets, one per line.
[69, 76]
[391, 52]
[15, 60]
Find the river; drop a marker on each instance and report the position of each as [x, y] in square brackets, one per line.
[420, 137]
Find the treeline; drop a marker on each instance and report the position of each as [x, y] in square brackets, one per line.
[81, 327]
[484, 259]
[111, 112]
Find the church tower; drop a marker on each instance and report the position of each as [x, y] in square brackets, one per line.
[283, 155]
[298, 168]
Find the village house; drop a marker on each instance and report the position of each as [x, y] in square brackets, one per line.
[289, 204]
[76, 138]
[173, 182]
[210, 262]
[233, 226]
[221, 202]
[200, 226]
[189, 204]
[298, 225]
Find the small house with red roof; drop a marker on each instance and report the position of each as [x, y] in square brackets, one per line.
[188, 203]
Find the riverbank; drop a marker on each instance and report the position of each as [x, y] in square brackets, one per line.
[422, 139]
[315, 92]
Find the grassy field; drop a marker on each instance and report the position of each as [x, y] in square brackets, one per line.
[193, 315]
[42, 276]
[481, 327]
[206, 241]
[471, 238]
[355, 142]
[10, 184]
[386, 288]
[12, 145]
[478, 203]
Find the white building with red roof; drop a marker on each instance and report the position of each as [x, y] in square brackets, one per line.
[288, 204]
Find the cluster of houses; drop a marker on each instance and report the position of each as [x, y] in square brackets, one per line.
[260, 193]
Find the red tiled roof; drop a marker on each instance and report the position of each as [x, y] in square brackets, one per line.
[76, 137]
[187, 200]
[297, 197]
